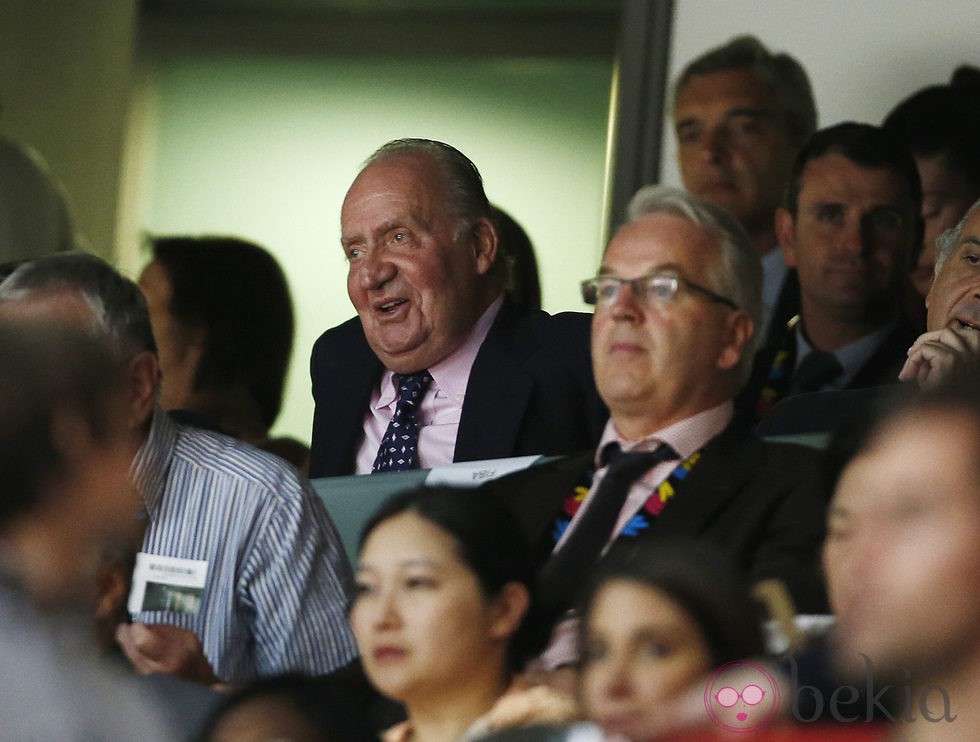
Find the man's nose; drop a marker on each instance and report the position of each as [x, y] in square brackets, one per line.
[714, 144]
[627, 304]
[856, 237]
[374, 270]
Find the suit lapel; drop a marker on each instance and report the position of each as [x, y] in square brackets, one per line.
[536, 495]
[354, 374]
[886, 361]
[728, 462]
[497, 393]
[787, 305]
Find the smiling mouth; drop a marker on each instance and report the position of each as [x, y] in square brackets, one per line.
[390, 306]
[967, 325]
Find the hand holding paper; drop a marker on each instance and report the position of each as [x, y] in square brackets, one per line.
[166, 649]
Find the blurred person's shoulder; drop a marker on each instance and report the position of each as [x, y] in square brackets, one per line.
[57, 687]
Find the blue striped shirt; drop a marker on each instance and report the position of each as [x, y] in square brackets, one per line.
[275, 595]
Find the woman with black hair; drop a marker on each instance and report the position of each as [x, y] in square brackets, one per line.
[444, 618]
[656, 623]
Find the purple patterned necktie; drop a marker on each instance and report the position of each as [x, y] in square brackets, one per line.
[399, 446]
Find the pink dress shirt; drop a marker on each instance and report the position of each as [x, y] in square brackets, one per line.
[441, 408]
[686, 437]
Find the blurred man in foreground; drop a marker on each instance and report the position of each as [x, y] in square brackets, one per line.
[65, 495]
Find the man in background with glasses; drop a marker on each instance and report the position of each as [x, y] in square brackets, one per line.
[677, 300]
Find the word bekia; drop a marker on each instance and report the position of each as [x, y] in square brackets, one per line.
[845, 700]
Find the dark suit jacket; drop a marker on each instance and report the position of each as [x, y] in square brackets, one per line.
[759, 503]
[881, 368]
[823, 412]
[530, 391]
[787, 307]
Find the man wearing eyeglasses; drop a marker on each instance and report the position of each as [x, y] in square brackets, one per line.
[677, 300]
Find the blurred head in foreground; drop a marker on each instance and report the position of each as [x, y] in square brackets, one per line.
[64, 457]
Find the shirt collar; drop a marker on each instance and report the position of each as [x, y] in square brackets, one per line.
[451, 374]
[152, 462]
[774, 273]
[852, 356]
[686, 436]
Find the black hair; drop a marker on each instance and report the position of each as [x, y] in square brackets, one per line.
[865, 145]
[707, 587]
[237, 293]
[943, 120]
[523, 283]
[337, 709]
[490, 542]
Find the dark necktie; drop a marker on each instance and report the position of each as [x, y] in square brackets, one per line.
[817, 369]
[563, 573]
[399, 446]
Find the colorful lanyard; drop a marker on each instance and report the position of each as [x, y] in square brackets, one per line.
[780, 372]
[644, 517]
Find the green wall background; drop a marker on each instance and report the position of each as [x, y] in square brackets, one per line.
[266, 148]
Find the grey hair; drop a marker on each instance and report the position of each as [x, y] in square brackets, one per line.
[119, 309]
[466, 198]
[739, 277]
[948, 239]
[781, 71]
[464, 184]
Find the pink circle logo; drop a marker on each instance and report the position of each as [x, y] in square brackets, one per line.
[741, 696]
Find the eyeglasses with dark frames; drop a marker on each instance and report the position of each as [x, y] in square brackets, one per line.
[657, 288]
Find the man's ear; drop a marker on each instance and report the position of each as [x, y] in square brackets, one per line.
[143, 377]
[509, 607]
[112, 584]
[485, 244]
[786, 235]
[741, 328]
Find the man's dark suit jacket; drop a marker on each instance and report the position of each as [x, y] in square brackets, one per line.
[881, 368]
[824, 412]
[787, 307]
[761, 504]
[530, 391]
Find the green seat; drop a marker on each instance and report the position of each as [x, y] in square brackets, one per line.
[351, 500]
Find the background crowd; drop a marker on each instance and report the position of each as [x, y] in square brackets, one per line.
[758, 500]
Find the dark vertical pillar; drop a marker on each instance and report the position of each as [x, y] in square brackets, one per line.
[639, 99]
